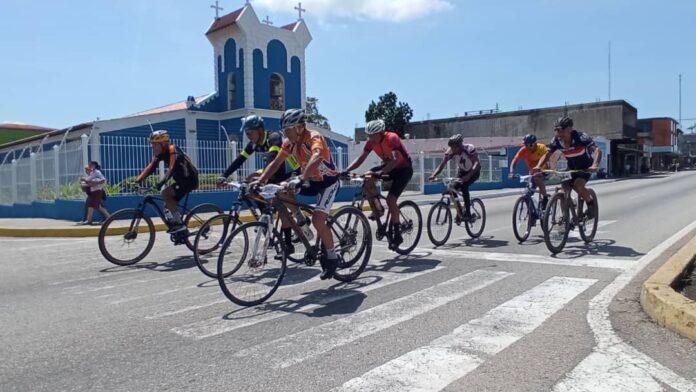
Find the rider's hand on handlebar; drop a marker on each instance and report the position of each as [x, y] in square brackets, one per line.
[536, 170]
[511, 174]
[221, 182]
[593, 169]
[431, 178]
[344, 175]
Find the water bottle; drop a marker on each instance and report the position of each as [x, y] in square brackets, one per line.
[306, 230]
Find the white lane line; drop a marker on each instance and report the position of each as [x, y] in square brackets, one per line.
[618, 264]
[221, 301]
[451, 357]
[635, 368]
[632, 367]
[251, 316]
[293, 349]
[165, 292]
[108, 285]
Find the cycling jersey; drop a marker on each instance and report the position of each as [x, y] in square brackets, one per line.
[390, 142]
[531, 158]
[180, 167]
[268, 148]
[578, 153]
[303, 150]
[466, 158]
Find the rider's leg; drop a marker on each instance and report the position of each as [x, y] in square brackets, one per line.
[325, 198]
[370, 193]
[285, 228]
[581, 189]
[169, 195]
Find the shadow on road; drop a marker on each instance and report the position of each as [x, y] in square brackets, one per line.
[179, 263]
[486, 242]
[576, 248]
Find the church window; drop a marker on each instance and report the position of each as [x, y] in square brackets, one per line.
[277, 92]
[232, 91]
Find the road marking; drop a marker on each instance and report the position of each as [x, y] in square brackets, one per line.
[293, 349]
[250, 316]
[618, 264]
[633, 370]
[450, 357]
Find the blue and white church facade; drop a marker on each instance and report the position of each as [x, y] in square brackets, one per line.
[258, 69]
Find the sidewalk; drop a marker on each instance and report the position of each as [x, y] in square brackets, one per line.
[41, 227]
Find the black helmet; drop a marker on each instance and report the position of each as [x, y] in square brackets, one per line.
[563, 122]
[529, 139]
[455, 140]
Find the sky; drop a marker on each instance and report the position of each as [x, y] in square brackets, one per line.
[70, 61]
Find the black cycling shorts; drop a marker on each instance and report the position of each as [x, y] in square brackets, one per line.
[398, 179]
[184, 188]
[575, 175]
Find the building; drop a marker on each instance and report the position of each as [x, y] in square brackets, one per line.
[10, 132]
[660, 137]
[612, 123]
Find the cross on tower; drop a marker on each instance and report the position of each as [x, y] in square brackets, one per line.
[217, 9]
[300, 10]
[267, 21]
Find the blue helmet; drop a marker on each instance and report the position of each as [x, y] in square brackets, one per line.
[529, 139]
[251, 121]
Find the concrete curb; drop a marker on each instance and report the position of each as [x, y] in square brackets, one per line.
[666, 306]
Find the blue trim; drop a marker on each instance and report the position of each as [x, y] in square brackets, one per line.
[277, 63]
[219, 102]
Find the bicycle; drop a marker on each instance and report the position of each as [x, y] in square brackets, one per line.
[560, 217]
[411, 220]
[258, 247]
[440, 216]
[212, 234]
[118, 241]
[527, 211]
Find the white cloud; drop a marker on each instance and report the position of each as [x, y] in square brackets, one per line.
[382, 10]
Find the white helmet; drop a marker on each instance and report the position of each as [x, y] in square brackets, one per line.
[375, 126]
[292, 117]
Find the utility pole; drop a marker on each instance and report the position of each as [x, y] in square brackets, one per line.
[609, 70]
[680, 102]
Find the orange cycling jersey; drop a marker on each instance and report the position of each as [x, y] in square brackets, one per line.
[390, 142]
[303, 149]
[530, 158]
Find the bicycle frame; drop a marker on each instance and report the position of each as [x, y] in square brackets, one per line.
[359, 202]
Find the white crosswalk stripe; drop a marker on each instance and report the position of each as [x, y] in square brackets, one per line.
[289, 350]
[254, 315]
[451, 357]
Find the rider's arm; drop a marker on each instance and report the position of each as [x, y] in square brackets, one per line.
[315, 159]
[597, 155]
[442, 165]
[239, 161]
[277, 162]
[148, 169]
[396, 155]
[170, 167]
[516, 159]
[358, 161]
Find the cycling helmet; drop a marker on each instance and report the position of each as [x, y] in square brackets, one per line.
[250, 122]
[529, 139]
[159, 136]
[563, 122]
[292, 117]
[455, 140]
[375, 126]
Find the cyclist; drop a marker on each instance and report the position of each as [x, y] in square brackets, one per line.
[531, 152]
[395, 162]
[318, 170]
[582, 154]
[179, 168]
[469, 170]
[268, 144]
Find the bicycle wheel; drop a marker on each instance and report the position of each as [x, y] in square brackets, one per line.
[411, 226]
[353, 241]
[251, 265]
[123, 239]
[196, 218]
[588, 228]
[478, 213]
[439, 223]
[299, 254]
[522, 219]
[209, 239]
[557, 223]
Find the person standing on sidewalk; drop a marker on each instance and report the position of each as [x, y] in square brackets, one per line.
[95, 198]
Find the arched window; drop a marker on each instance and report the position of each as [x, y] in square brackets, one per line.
[277, 92]
[232, 91]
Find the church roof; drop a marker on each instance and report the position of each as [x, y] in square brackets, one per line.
[291, 26]
[24, 127]
[181, 105]
[227, 20]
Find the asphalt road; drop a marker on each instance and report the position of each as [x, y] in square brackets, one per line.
[486, 314]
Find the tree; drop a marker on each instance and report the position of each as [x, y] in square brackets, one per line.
[313, 116]
[395, 114]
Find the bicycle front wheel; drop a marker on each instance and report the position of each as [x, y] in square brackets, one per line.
[209, 239]
[353, 241]
[196, 218]
[439, 223]
[477, 222]
[126, 237]
[251, 264]
[556, 223]
[522, 219]
[588, 228]
[411, 226]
